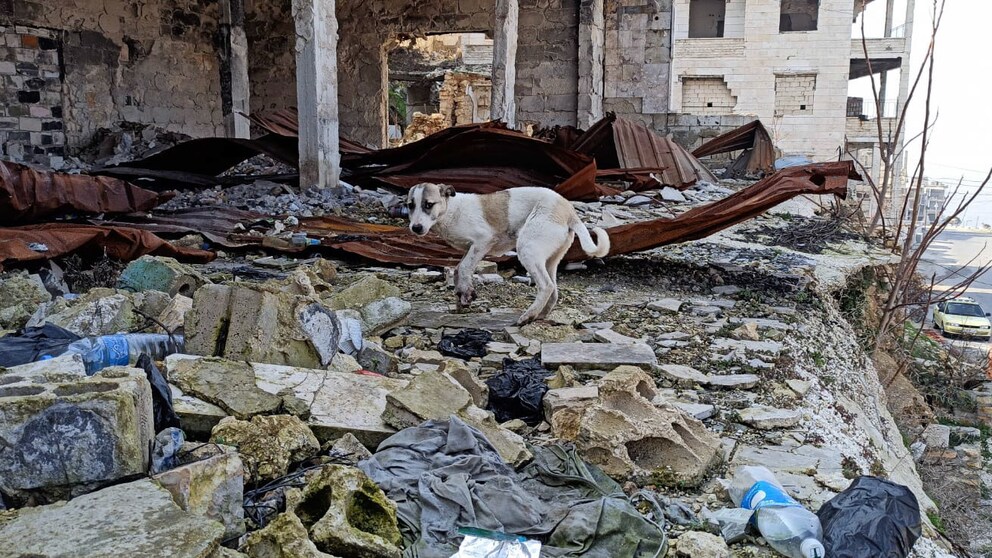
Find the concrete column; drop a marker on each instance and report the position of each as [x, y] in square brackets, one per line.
[234, 69]
[591, 40]
[503, 104]
[317, 92]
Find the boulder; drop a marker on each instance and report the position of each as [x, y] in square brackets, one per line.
[764, 417]
[431, 395]
[64, 436]
[155, 273]
[211, 486]
[346, 514]
[134, 519]
[626, 435]
[267, 444]
[367, 289]
[284, 537]
[697, 544]
[20, 295]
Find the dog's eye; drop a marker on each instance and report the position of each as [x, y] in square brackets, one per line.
[428, 206]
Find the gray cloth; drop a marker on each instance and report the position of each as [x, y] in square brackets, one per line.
[444, 475]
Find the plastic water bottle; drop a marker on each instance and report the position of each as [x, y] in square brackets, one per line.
[119, 350]
[788, 527]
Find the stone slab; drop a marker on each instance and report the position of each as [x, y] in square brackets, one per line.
[596, 355]
[134, 519]
[212, 487]
[490, 321]
[667, 305]
[610, 336]
[733, 381]
[763, 417]
[681, 374]
[196, 415]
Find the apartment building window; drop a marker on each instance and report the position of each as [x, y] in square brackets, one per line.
[707, 96]
[798, 15]
[794, 94]
[706, 18]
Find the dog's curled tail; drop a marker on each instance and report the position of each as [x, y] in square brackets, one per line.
[596, 249]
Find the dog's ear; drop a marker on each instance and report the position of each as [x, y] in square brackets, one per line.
[447, 191]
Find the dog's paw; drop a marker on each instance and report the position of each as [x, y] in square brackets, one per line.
[466, 297]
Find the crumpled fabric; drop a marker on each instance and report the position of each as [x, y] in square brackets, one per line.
[31, 343]
[444, 475]
[872, 517]
[518, 391]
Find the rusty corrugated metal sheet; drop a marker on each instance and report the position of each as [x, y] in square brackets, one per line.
[29, 195]
[122, 243]
[617, 143]
[215, 223]
[285, 122]
[753, 139]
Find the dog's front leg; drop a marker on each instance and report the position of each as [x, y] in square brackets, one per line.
[465, 271]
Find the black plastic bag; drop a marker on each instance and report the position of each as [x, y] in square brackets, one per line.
[162, 410]
[873, 517]
[31, 343]
[517, 393]
[465, 344]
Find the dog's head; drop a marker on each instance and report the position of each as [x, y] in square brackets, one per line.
[427, 202]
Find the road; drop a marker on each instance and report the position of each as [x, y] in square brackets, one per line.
[953, 256]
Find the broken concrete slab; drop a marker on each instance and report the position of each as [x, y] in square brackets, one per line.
[339, 400]
[628, 436]
[610, 336]
[64, 367]
[800, 387]
[134, 519]
[211, 486]
[155, 273]
[226, 383]
[382, 315]
[365, 290]
[197, 416]
[556, 400]
[764, 417]
[267, 444]
[682, 375]
[62, 437]
[596, 355]
[346, 514]
[762, 323]
[733, 381]
[435, 319]
[666, 305]
[466, 377]
[699, 411]
[670, 194]
[509, 445]
[431, 395]
[724, 344]
[284, 537]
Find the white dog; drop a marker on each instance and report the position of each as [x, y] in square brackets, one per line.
[536, 222]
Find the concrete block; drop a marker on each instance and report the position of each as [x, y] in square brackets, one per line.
[134, 519]
[596, 355]
[210, 486]
[62, 435]
[466, 377]
[431, 395]
[367, 289]
[197, 416]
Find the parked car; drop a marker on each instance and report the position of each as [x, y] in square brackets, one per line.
[962, 316]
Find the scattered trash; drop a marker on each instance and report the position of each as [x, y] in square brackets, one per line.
[480, 543]
[162, 410]
[732, 522]
[38, 247]
[872, 517]
[517, 392]
[119, 350]
[465, 344]
[165, 450]
[788, 527]
[34, 343]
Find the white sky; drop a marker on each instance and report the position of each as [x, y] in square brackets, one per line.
[961, 144]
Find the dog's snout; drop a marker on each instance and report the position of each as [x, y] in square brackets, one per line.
[418, 228]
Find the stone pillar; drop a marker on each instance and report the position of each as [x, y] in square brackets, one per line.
[591, 41]
[503, 104]
[317, 92]
[234, 69]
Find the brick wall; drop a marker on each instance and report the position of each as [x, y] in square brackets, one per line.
[706, 96]
[794, 94]
[271, 54]
[547, 62]
[31, 127]
[150, 62]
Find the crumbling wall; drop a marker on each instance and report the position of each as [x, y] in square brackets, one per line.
[638, 60]
[364, 30]
[150, 62]
[465, 98]
[547, 62]
[271, 54]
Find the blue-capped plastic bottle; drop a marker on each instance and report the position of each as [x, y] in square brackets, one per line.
[789, 528]
[120, 350]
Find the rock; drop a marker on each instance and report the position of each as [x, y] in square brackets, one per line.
[699, 411]
[155, 273]
[638, 200]
[197, 416]
[346, 514]
[426, 276]
[697, 544]
[800, 387]
[133, 519]
[683, 375]
[610, 336]
[464, 375]
[106, 311]
[327, 331]
[577, 398]
[626, 435]
[284, 537]
[770, 347]
[515, 425]
[725, 290]
[671, 195]
[267, 444]
[66, 367]
[20, 295]
[733, 381]
[489, 278]
[565, 316]
[385, 314]
[350, 446]
[763, 417]
[937, 436]
[174, 315]
[426, 357]
[748, 331]
[665, 305]
[339, 400]
[364, 291]
[61, 437]
[596, 355]
[431, 395]
[211, 487]
[226, 383]
[509, 445]
[376, 359]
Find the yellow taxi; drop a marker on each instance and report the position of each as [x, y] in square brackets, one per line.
[962, 316]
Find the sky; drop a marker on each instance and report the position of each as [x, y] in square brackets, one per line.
[961, 145]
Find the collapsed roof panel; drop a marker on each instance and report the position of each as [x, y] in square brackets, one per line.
[758, 151]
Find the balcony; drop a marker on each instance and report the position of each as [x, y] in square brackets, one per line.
[883, 47]
[719, 47]
[861, 130]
